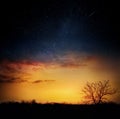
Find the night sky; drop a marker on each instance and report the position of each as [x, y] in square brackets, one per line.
[68, 33]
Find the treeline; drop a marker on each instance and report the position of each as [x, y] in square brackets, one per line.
[35, 110]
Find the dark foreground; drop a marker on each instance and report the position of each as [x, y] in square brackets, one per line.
[42, 111]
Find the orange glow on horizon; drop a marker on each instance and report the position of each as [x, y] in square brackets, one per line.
[52, 82]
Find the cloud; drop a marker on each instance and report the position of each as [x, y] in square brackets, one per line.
[71, 60]
[49, 80]
[8, 67]
[11, 72]
[10, 79]
[72, 65]
[37, 81]
[7, 81]
[41, 81]
[66, 60]
[20, 71]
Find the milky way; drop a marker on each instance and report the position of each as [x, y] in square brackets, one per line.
[41, 32]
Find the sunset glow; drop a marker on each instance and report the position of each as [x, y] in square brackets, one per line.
[52, 82]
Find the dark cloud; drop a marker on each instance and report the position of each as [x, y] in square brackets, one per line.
[9, 67]
[10, 72]
[10, 79]
[37, 81]
[41, 81]
[72, 65]
[49, 80]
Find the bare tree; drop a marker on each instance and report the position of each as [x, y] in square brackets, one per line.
[97, 92]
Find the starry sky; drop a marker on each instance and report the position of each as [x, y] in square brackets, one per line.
[54, 41]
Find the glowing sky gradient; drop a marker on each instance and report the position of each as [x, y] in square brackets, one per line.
[55, 81]
[51, 49]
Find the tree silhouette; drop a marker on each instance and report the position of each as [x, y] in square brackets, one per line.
[97, 92]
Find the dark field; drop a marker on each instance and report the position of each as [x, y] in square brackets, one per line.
[41, 111]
